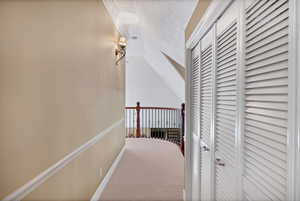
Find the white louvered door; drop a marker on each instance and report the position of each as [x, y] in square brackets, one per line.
[195, 91]
[244, 113]
[206, 113]
[226, 104]
[266, 91]
[195, 124]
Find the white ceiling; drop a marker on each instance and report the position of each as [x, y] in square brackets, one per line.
[159, 27]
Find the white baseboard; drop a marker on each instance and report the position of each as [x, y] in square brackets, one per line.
[104, 182]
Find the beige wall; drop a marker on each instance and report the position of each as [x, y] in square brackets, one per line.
[59, 87]
[196, 17]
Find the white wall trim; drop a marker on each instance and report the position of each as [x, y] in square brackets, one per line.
[213, 112]
[297, 51]
[187, 134]
[294, 113]
[211, 15]
[292, 104]
[106, 179]
[27, 188]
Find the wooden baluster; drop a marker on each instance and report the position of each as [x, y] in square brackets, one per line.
[182, 127]
[159, 117]
[151, 121]
[133, 123]
[156, 124]
[178, 124]
[149, 130]
[138, 126]
[126, 119]
[142, 122]
[165, 124]
[129, 122]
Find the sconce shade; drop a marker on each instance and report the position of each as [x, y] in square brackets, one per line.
[121, 49]
[122, 42]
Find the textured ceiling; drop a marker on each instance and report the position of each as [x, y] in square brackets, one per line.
[157, 26]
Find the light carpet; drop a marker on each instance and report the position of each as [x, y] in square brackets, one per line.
[150, 170]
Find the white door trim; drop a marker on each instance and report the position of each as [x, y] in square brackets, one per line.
[213, 116]
[292, 104]
[296, 54]
[187, 134]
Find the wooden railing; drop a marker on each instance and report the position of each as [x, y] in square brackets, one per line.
[156, 122]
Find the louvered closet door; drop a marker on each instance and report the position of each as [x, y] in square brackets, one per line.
[195, 121]
[206, 114]
[226, 104]
[195, 91]
[266, 118]
[206, 94]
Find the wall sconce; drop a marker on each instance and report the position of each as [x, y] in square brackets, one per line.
[121, 49]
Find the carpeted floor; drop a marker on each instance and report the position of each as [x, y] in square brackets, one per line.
[150, 170]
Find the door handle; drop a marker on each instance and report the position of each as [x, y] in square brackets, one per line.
[219, 162]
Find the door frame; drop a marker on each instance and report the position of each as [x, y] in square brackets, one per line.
[294, 103]
[297, 63]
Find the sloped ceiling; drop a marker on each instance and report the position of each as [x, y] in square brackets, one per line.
[153, 27]
[180, 69]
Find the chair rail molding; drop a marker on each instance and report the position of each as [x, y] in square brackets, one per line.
[27, 188]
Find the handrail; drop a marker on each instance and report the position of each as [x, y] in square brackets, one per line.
[156, 122]
[154, 108]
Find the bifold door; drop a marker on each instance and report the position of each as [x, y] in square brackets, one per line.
[206, 95]
[266, 91]
[195, 122]
[226, 105]
[243, 129]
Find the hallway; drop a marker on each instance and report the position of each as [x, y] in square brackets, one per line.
[150, 169]
[150, 100]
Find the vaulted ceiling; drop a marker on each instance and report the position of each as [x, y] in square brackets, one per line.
[155, 28]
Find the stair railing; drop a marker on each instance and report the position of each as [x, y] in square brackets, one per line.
[156, 122]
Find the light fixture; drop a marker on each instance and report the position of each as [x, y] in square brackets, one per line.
[121, 49]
